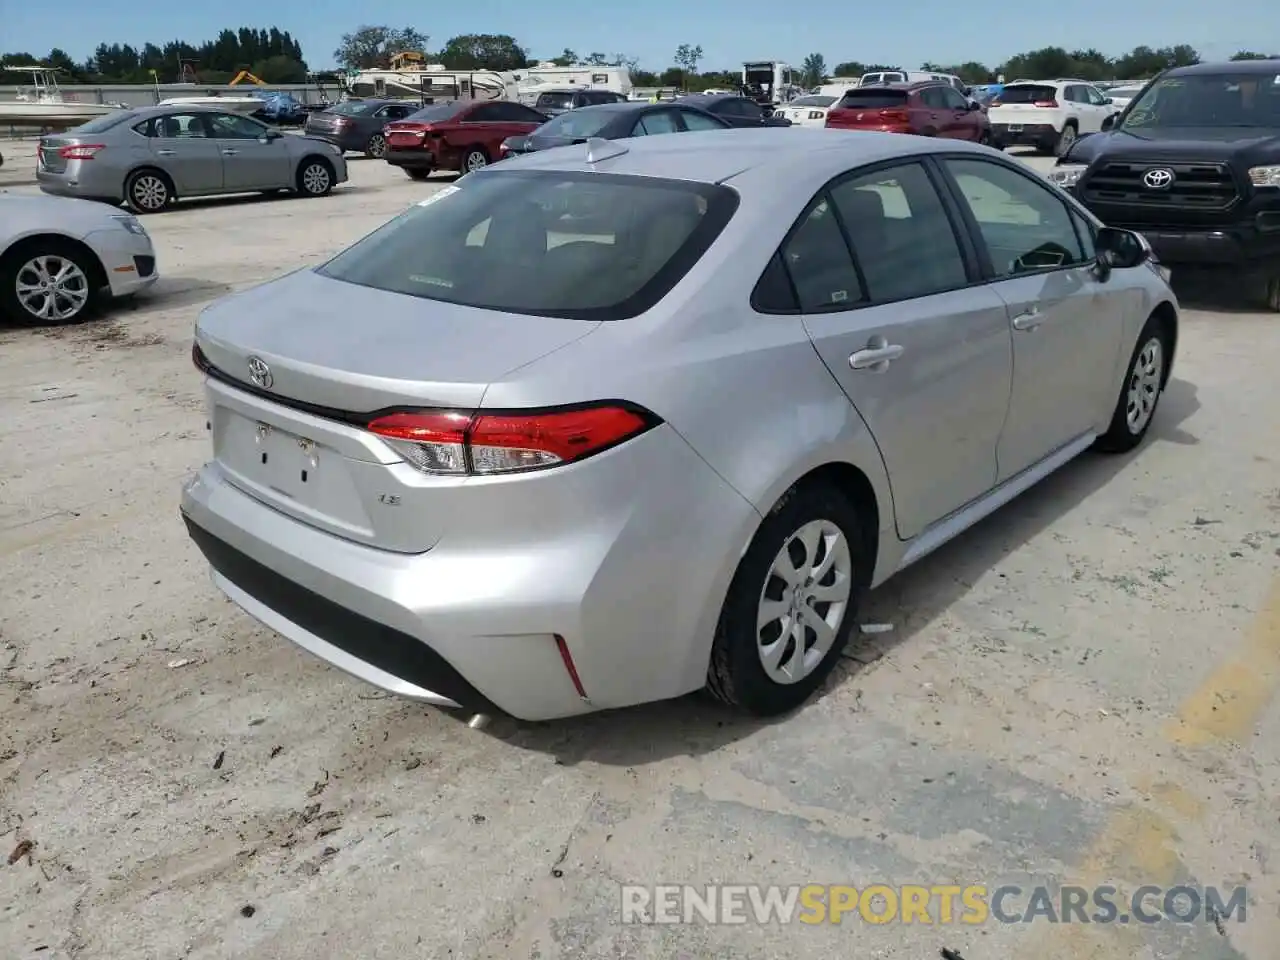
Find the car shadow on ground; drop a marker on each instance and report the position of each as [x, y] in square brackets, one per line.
[910, 602]
[1217, 293]
[246, 199]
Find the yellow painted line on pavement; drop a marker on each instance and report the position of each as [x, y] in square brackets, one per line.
[1139, 845]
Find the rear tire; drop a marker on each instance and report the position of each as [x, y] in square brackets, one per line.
[1066, 140]
[804, 574]
[1140, 392]
[1271, 299]
[315, 177]
[417, 173]
[48, 281]
[473, 160]
[376, 148]
[148, 191]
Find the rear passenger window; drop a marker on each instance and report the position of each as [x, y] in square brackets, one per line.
[818, 262]
[1025, 225]
[901, 235]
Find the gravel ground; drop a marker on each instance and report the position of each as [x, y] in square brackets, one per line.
[1079, 690]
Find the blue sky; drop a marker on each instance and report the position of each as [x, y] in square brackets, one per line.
[729, 32]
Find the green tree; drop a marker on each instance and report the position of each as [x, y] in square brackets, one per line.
[1250, 55]
[483, 51]
[372, 46]
[686, 58]
[849, 68]
[814, 70]
[567, 58]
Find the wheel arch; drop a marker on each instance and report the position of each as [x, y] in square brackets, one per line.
[1167, 313]
[33, 240]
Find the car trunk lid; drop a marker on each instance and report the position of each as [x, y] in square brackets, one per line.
[407, 133]
[298, 367]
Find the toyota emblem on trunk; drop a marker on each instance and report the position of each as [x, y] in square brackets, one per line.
[260, 373]
[1158, 179]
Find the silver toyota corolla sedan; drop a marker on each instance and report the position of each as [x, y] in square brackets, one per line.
[152, 156]
[625, 420]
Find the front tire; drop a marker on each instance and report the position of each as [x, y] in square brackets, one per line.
[376, 147]
[791, 605]
[148, 191]
[48, 282]
[1140, 393]
[315, 177]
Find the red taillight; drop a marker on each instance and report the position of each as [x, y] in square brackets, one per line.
[81, 151]
[1051, 104]
[995, 102]
[895, 116]
[451, 442]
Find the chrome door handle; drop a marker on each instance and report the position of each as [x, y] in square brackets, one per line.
[166, 153]
[1028, 320]
[875, 358]
[229, 153]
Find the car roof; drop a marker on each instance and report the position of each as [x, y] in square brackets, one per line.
[1261, 67]
[623, 106]
[698, 99]
[715, 156]
[161, 109]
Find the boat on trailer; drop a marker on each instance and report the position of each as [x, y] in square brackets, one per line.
[44, 104]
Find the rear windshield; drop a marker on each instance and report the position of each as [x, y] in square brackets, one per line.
[814, 101]
[589, 246]
[351, 108]
[104, 122]
[1028, 93]
[438, 112]
[871, 97]
[586, 122]
[554, 101]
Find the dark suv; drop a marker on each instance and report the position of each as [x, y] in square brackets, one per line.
[1193, 163]
[562, 99]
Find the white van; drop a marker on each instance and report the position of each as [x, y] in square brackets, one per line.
[909, 76]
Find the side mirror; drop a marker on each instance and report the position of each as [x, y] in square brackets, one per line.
[1109, 123]
[1107, 100]
[974, 105]
[1119, 250]
[270, 135]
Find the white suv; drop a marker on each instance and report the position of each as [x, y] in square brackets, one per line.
[1047, 114]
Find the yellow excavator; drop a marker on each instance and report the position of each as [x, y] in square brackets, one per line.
[245, 75]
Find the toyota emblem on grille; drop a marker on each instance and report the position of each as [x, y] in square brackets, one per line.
[260, 373]
[1158, 179]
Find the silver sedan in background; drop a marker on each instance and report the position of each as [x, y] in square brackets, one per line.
[623, 420]
[150, 157]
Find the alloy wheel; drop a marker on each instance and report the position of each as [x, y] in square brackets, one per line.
[377, 146]
[803, 604]
[315, 179]
[476, 160]
[150, 192]
[1145, 381]
[52, 287]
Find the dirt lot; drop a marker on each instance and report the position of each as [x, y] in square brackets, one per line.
[1077, 691]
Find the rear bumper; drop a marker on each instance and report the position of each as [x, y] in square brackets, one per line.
[631, 577]
[411, 159]
[1030, 134]
[871, 127]
[79, 181]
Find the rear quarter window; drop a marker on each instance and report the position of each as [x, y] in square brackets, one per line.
[588, 246]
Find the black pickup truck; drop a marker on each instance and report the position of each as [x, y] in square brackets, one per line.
[1193, 163]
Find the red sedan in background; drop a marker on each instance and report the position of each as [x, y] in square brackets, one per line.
[461, 135]
[928, 108]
